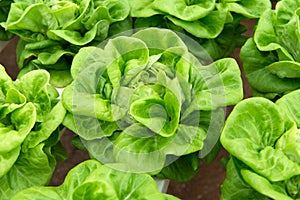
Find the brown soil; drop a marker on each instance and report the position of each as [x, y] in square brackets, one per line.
[206, 185]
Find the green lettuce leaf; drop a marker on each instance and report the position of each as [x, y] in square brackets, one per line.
[289, 106]
[183, 169]
[44, 130]
[14, 128]
[24, 20]
[263, 186]
[34, 87]
[235, 187]
[185, 10]
[32, 168]
[209, 26]
[252, 9]
[255, 64]
[223, 45]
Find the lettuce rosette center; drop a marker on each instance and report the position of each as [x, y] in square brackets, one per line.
[158, 112]
[142, 101]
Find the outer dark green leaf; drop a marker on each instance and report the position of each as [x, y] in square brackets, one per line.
[234, 187]
[183, 169]
[255, 62]
[4, 10]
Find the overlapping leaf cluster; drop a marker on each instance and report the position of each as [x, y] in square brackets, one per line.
[91, 180]
[144, 101]
[271, 58]
[263, 139]
[214, 24]
[51, 32]
[150, 102]
[29, 121]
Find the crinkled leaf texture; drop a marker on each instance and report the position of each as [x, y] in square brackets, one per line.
[200, 18]
[203, 19]
[52, 42]
[264, 140]
[215, 47]
[249, 9]
[271, 58]
[185, 10]
[64, 20]
[29, 121]
[91, 180]
[144, 97]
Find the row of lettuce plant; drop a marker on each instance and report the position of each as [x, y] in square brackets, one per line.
[148, 101]
[52, 42]
[68, 25]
